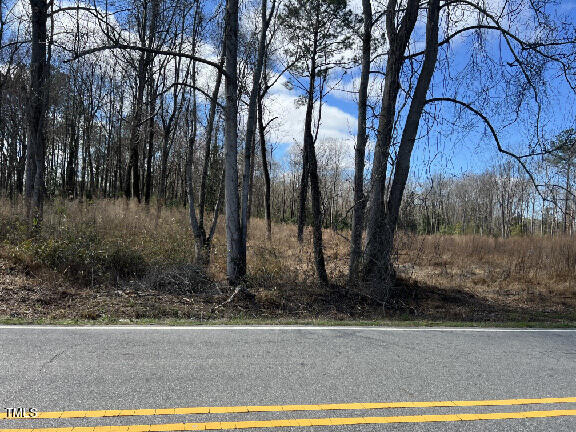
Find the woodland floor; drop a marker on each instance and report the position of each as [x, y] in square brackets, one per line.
[30, 296]
[466, 279]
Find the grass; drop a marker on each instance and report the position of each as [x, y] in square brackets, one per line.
[293, 322]
[109, 262]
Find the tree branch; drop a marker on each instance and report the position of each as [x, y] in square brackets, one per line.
[121, 46]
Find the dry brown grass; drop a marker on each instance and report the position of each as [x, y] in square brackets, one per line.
[168, 239]
[519, 272]
[445, 277]
[549, 258]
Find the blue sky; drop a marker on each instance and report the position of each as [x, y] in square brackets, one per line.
[453, 144]
[457, 144]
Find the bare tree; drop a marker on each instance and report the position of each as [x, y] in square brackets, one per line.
[234, 261]
[386, 198]
[361, 140]
[318, 32]
[266, 17]
[39, 81]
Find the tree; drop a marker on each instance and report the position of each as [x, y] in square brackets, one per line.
[152, 96]
[528, 59]
[318, 31]
[378, 268]
[563, 158]
[150, 11]
[39, 84]
[360, 151]
[266, 17]
[234, 261]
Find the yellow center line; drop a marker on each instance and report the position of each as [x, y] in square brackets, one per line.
[279, 408]
[307, 422]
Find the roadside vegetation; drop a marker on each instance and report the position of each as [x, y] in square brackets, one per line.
[108, 261]
[287, 159]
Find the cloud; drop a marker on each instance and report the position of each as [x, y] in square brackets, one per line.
[337, 128]
[289, 128]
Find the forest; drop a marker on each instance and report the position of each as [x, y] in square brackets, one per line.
[288, 159]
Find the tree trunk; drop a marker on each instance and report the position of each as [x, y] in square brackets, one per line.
[202, 243]
[208, 139]
[303, 195]
[234, 261]
[312, 168]
[567, 199]
[87, 138]
[251, 185]
[382, 274]
[202, 253]
[250, 133]
[145, 60]
[154, 14]
[151, 133]
[161, 201]
[72, 162]
[39, 76]
[376, 264]
[316, 213]
[132, 180]
[266, 171]
[360, 152]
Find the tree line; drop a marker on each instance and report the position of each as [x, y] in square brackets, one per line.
[172, 102]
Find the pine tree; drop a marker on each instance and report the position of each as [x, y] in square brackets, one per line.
[317, 32]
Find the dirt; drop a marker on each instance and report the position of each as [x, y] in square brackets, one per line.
[186, 293]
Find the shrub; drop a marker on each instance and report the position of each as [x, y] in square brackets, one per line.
[124, 261]
[82, 255]
[13, 230]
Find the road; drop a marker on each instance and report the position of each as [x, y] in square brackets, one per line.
[78, 372]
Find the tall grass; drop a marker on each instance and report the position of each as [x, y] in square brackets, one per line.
[537, 258]
[123, 240]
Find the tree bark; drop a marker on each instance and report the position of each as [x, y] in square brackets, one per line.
[312, 168]
[303, 194]
[233, 229]
[132, 180]
[202, 242]
[72, 162]
[316, 213]
[360, 151]
[145, 59]
[376, 266]
[155, 11]
[382, 275]
[567, 195]
[208, 140]
[250, 131]
[39, 77]
[201, 256]
[164, 153]
[251, 185]
[151, 134]
[266, 171]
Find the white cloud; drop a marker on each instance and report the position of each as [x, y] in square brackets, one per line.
[337, 127]
[289, 129]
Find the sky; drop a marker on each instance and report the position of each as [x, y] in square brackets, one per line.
[454, 142]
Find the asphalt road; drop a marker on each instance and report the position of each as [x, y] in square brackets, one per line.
[127, 368]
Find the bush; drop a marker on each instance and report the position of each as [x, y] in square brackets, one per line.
[125, 262]
[13, 230]
[81, 254]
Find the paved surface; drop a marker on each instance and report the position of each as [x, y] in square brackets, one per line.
[87, 369]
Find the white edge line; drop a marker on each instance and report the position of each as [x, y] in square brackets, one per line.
[284, 328]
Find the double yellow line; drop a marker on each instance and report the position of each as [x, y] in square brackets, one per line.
[300, 422]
